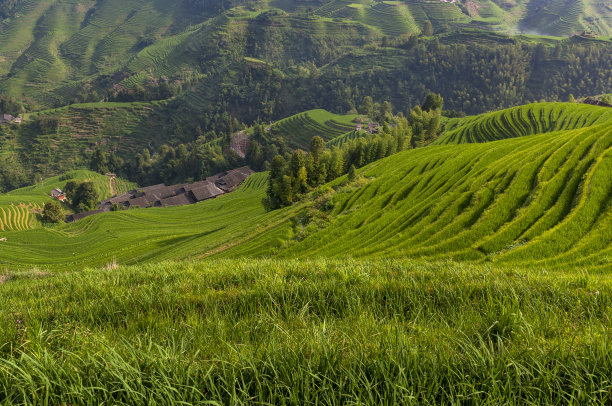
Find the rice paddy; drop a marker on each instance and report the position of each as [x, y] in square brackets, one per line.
[298, 130]
[473, 273]
[540, 200]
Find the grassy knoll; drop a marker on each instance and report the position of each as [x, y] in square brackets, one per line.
[314, 332]
[540, 200]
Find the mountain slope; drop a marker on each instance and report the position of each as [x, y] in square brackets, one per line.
[541, 200]
[520, 121]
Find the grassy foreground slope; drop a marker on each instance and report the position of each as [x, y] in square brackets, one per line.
[301, 333]
[543, 201]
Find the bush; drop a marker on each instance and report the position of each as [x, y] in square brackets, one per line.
[52, 212]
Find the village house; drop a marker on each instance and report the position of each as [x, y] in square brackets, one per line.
[58, 194]
[6, 119]
[373, 127]
[174, 195]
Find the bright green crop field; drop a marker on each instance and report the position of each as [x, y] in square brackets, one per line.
[474, 271]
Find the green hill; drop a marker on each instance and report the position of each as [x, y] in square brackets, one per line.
[298, 130]
[541, 200]
[470, 272]
[524, 120]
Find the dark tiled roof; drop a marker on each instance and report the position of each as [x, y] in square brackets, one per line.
[78, 216]
[233, 178]
[207, 191]
[179, 200]
[138, 202]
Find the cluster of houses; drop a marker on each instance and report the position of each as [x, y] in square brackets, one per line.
[595, 102]
[174, 195]
[370, 128]
[9, 119]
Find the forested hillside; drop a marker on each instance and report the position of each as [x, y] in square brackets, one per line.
[127, 77]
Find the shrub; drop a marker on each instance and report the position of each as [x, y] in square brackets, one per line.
[52, 212]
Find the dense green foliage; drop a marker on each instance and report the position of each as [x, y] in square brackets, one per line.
[290, 179]
[207, 65]
[53, 212]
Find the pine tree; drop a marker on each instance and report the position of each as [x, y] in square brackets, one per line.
[428, 30]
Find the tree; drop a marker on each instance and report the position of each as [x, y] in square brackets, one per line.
[316, 170]
[367, 106]
[85, 196]
[69, 190]
[352, 173]
[571, 99]
[432, 102]
[52, 212]
[428, 30]
[99, 162]
[274, 198]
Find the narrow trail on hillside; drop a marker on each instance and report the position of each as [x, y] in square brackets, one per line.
[112, 186]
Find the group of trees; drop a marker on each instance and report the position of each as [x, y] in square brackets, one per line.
[80, 196]
[293, 175]
[425, 120]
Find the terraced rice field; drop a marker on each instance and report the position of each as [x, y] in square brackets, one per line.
[18, 217]
[37, 195]
[540, 200]
[534, 201]
[126, 126]
[524, 120]
[298, 130]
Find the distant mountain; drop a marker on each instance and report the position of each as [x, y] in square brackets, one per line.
[55, 52]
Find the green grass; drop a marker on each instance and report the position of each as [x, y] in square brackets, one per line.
[470, 273]
[313, 332]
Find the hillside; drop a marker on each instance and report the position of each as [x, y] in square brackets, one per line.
[540, 200]
[524, 120]
[19, 209]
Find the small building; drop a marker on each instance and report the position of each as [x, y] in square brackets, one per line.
[359, 127]
[373, 127]
[58, 194]
[17, 120]
[205, 192]
[6, 119]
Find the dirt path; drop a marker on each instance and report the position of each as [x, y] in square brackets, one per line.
[112, 186]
